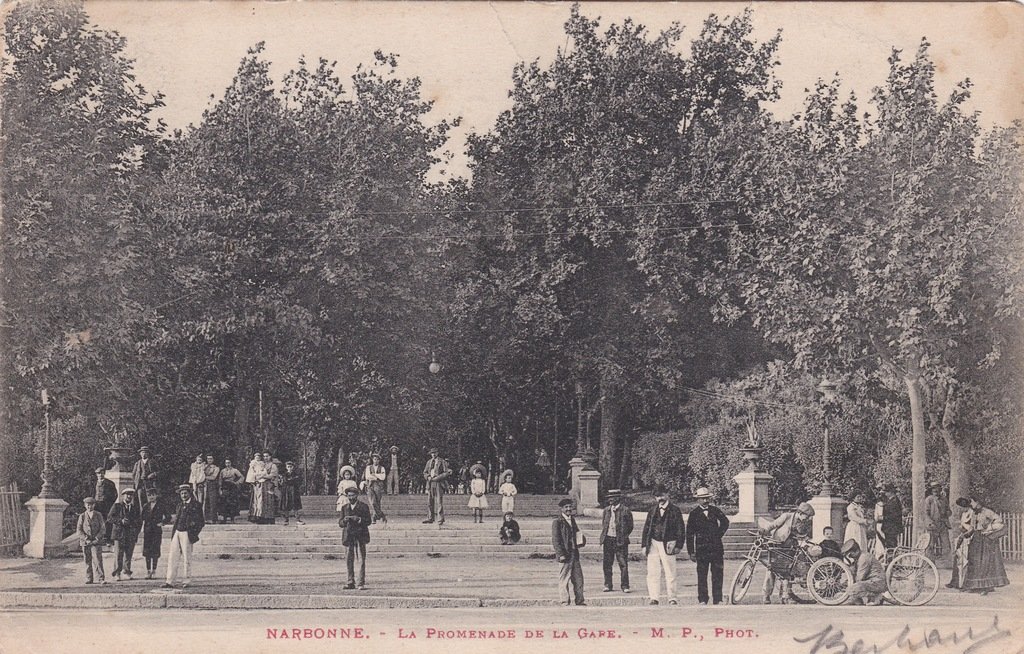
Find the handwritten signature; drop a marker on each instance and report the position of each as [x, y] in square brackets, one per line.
[833, 640]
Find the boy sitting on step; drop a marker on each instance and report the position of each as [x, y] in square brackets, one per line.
[509, 532]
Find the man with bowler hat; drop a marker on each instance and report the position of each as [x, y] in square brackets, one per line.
[704, 531]
[436, 473]
[355, 523]
[567, 539]
[616, 526]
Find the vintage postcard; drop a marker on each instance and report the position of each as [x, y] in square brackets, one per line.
[511, 326]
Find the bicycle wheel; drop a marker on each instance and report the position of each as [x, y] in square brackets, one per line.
[829, 581]
[741, 581]
[912, 579]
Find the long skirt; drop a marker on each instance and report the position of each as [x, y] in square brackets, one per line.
[229, 499]
[984, 569]
[152, 535]
[261, 508]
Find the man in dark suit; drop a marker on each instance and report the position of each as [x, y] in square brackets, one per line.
[567, 540]
[125, 520]
[91, 532]
[662, 539]
[355, 523]
[616, 526]
[436, 474]
[704, 531]
[106, 495]
[188, 522]
[890, 527]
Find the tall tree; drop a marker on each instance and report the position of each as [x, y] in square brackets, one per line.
[77, 140]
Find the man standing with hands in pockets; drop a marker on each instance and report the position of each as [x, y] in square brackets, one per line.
[704, 531]
[662, 539]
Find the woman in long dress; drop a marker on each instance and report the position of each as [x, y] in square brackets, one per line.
[257, 477]
[977, 561]
[857, 528]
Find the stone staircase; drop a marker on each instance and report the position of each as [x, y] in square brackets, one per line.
[406, 537]
[455, 505]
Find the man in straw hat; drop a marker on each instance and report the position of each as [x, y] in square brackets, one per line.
[125, 519]
[663, 537]
[705, 528]
[435, 474]
[567, 539]
[188, 522]
[374, 477]
[789, 531]
[616, 526]
[91, 530]
[392, 478]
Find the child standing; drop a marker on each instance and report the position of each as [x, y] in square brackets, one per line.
[477, 488]
[508, 492]
[509, 532]
[347, 481]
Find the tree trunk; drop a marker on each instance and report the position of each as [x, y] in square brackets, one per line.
[608, 460]
[626, 471]
[240, 425]
[958, 450]
[918, 458]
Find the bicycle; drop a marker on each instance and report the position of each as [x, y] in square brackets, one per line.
[796, 560]
[911, 579]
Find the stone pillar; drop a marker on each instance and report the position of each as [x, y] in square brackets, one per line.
[589, 480]
[46, 522]
[753, 498]
[828, 512]
[576, 464]
[121, 479]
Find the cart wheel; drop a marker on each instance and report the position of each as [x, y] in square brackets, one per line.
[829, 581]
[741, 581]
[912, 579]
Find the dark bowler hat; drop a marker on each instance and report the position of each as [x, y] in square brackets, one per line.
[351, 490]
[565, 502]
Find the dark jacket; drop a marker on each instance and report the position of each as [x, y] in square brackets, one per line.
[675, 530]
[623, 524]
[106, 495]
[510, 530]
[189, 517]
[125, 521]
[704, 534]
[563, 539]
[355, 523]
[892, 517]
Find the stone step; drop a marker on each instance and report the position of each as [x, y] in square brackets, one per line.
[506, 553]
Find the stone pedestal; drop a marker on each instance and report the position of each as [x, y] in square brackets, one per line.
[45, 529]
[589, 480]
[753, 496]
[829, 511]
[576, 464]
[122, 479]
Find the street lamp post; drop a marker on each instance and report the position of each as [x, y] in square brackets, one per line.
[827, 388]
[47, 475]
[828, 509]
